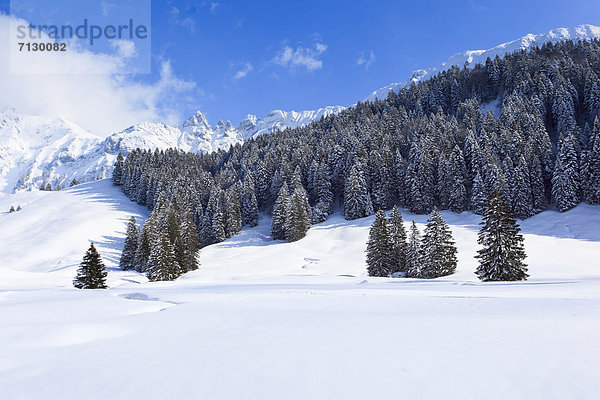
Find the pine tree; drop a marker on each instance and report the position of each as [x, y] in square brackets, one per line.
[118, 170]
[398, 238]
[565, 180]
[413, 253]
[249, 204]
[298, 215]
[92, 272]
[357, 201]
[12, 209]
[437, 248]
[130, 247]
[502, 255]
[189, 243]
[162, 264]
[279, 224]
[593, 181]
[380, 249]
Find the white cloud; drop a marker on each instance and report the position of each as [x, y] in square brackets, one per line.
[187, 22]
[366, 60]
[214, 5]
[102, 102]
[107, 7]
[301, 57]
[125, 48]
[246, 69]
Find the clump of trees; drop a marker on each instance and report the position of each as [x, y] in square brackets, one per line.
[389, 252]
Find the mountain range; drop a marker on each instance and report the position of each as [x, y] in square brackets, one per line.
[37, 150]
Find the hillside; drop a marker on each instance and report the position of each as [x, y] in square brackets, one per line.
[261, 316]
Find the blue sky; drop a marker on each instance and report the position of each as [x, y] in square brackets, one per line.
[255, 56]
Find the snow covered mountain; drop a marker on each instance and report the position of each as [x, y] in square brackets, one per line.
[473, 57]
[36, 150]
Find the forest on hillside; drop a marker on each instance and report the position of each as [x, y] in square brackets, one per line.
[430, 145]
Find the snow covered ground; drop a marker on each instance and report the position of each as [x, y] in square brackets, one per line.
[270, 320]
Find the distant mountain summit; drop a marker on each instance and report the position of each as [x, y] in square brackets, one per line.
[473, 57]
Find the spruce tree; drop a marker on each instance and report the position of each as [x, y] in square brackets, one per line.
[565, 180]
[380, 249]
[593, 181]
[437, 248]
[162, 264]
[413, 253]
[298, 215]
[130, 247]
[279, 224]
[357, 201]
[249, 203]
[92, 272]
[502, 255]
[189, 243]
[118, 171]
[398, 238]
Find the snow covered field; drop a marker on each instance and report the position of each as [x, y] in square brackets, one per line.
[272, 320]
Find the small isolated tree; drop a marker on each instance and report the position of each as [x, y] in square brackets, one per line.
[438, 249]
[130, 247]
[380, 250]
[92, 272]
[398, 238]
[12, 209]
[413, 253]
[19, 208]
[502, 255]
[74, 182]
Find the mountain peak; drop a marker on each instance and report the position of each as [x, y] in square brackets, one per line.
[471, 57]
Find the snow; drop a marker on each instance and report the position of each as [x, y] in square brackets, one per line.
[38, 149]
[473, 57]
[267, 319]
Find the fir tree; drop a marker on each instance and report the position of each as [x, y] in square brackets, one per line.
[593, 181]
[279, 224]
[12, 209]
[92, 272]
[249, 204]
[189, 243]
[413, 253]
[438, 249]
[298, 215]
[357, 202]
[130, 247]
[398, 238]
[162, 264]
[502, 255]
[380, 249]
[565, 180]
[118, 170]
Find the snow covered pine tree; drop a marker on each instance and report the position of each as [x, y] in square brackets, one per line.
[130, 247]
[502, 255]
[92, 272]
[380, 250]
[437, 248]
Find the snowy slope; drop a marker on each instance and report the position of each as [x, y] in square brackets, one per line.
[472, 57]
[263, 319]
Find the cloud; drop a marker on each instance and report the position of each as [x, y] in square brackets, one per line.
[107, 7]
[307, 58]
[214, 5]
[103, 102]
[125, 48]
[243, 72]
[175, 18]
[366, 60]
